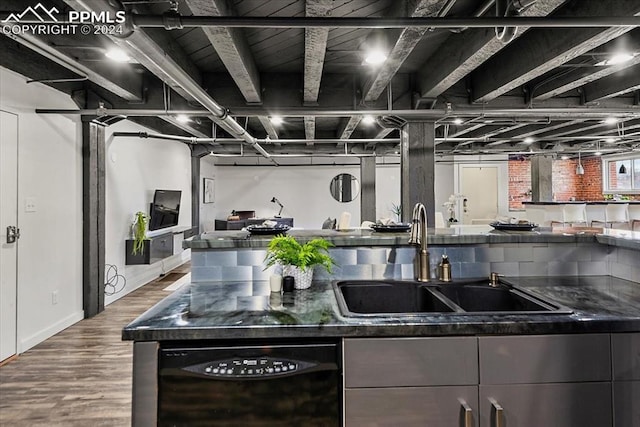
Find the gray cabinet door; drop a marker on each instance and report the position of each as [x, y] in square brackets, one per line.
[412, 406]
[538, 405]
[545, 359]
[625, 350]
[626, 403]
[397, 362]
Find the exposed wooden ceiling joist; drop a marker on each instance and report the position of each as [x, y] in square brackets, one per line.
[623, 82]
[234, 52]
[463, 53]
[541, 50]
[404, 45]
[570, 81]
[315, 48]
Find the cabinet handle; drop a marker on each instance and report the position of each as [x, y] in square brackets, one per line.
[468, 413]
[498, 412]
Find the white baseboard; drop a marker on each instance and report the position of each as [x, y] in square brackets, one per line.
[37, 338]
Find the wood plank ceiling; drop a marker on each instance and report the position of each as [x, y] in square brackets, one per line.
[538, 90]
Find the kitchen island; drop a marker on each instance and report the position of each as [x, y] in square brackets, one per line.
[428, 369]
[571, 354]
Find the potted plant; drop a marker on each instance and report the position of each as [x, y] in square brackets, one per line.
[138, 247]
[139, 228]
[299, 260]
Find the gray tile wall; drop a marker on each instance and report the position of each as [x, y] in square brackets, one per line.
[539, 259]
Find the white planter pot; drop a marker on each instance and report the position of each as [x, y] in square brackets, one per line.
[302, 277]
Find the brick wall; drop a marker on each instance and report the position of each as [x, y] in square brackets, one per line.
[519, 183]
[566, 184]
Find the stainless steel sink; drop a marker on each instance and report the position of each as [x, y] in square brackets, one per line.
[386, 298]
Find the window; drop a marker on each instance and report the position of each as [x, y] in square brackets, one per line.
[621, 174]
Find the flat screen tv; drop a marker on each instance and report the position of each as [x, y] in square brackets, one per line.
[165, 209]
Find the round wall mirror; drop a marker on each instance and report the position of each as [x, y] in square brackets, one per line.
[344, 187]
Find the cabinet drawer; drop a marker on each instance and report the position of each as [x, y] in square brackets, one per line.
[544, 359]
[414, 406]
[161, 246]
[537, 405]
[396, 362]
[626, 403]
[625, 349]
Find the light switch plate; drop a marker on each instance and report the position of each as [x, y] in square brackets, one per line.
[30, 204]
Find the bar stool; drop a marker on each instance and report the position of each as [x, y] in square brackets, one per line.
[573, 214]
[615, 213]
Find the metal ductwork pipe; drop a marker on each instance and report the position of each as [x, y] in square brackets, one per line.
[154, 58]
[159, 21]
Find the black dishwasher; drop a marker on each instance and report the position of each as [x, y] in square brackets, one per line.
[250, 385]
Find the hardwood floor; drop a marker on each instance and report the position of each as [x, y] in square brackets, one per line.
[81, 376]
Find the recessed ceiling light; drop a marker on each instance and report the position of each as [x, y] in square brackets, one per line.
[375, 57]
[617, 58]
[564, 158]
[117, 55]
[598, 153]
[457, 121]
[276, 120]
[528, 140]
[610, 140]
[182, 118]
[611, 120]
[368, 120]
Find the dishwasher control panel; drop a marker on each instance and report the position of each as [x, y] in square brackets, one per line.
[249, 368]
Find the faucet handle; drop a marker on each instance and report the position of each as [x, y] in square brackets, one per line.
[494, 279]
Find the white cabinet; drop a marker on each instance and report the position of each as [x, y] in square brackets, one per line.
[411, 382]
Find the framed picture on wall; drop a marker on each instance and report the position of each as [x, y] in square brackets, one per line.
[207, 190]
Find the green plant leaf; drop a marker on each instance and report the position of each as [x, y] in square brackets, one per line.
[286, 250]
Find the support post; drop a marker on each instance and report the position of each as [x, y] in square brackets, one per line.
[541, 178]
[368, 189]
[417, 169]
[93, 208]
[196, 186]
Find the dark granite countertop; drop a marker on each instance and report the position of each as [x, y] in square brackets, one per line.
[439, 236]
[233, 310]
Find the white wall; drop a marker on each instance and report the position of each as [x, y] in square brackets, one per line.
[303, 190]
[50, 172]
[50, 246]
[135, 168]
[388, 187]
[208, 211]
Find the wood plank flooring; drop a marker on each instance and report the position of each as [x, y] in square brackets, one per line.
[82, 375]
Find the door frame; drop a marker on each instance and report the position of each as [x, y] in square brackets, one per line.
[17, 349]
[477, 162]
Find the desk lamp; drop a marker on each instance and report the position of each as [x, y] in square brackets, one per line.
[274, 200]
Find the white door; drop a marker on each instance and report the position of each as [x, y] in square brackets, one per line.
[8, 218]
[479, 185]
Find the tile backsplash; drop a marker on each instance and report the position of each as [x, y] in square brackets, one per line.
[510, 259]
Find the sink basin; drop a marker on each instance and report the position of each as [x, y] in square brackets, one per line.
[385, 298]
[374, 298]
[484, 298]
